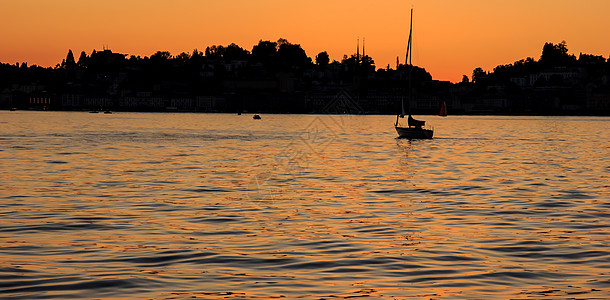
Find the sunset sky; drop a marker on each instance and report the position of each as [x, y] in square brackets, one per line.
[451, 38]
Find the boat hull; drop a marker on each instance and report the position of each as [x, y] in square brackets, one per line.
[414, 133]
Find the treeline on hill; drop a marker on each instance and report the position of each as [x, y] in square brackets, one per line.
[280, 77]
[558, 83]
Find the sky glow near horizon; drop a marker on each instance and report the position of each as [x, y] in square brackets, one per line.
[451, 38]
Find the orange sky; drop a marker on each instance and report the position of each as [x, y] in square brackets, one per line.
[451, 38]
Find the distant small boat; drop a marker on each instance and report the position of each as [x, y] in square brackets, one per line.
[443, 112]
[107, 112]
[93, 112]
[256, 117]
[13, 109]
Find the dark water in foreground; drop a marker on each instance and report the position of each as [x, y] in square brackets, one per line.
[176, 206]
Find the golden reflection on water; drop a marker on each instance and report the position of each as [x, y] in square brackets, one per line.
[216, 206]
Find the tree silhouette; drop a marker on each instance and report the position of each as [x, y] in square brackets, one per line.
[161, 56]
[478, 74]
[69, 62]
[183, 58]
[292, 56]
[367, 64]
[264, 52]
[235, 52]
[322, 59]
[556, 55]
[82, 60]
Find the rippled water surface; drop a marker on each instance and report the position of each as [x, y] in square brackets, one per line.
[177, 206]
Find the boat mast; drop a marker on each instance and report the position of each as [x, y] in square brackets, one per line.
[408, 60]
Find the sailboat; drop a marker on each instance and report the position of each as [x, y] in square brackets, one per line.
[443, 112]
[415, 129]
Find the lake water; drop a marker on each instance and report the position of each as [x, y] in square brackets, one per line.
[179, 206]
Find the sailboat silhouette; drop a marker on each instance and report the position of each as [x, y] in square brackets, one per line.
[415, 128]
[443, 112]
